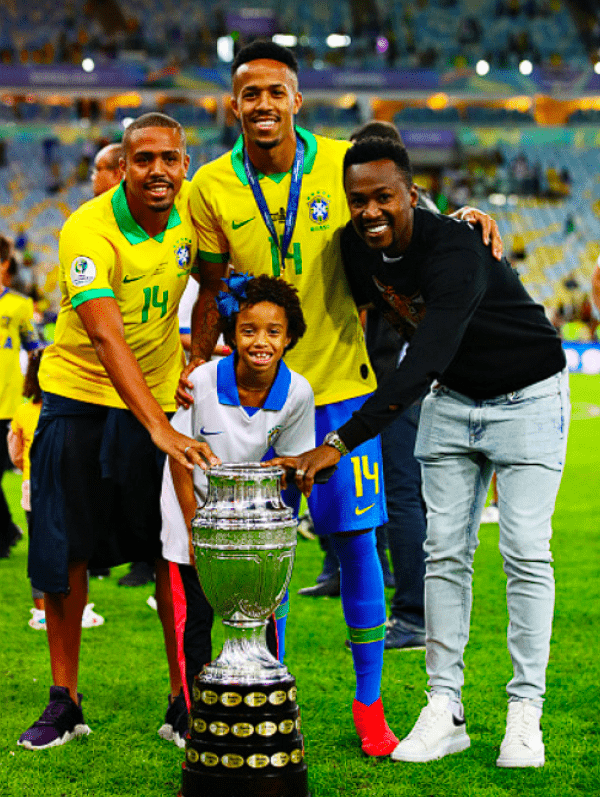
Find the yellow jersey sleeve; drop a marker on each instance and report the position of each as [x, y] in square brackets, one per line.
[212, 241]
[86, 262]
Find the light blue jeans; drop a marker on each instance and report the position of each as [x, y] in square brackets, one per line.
[522, 436]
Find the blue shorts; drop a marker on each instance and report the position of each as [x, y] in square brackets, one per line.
[354, 498]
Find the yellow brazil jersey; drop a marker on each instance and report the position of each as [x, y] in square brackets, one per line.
[16, 332]
[104, 252]
[25, 421]
[332, 354]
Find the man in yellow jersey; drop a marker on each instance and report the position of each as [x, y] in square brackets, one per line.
[108, 382]
[275, 205]
[16, 332]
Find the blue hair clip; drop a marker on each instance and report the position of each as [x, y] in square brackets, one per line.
[228, 302]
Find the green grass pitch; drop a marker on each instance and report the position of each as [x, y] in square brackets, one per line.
[123, 674]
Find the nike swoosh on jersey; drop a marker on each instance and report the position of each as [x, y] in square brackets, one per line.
[133, 279]
[359, 511]
[236, 225]
[203, 431]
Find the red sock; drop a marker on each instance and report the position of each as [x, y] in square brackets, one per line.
[375, 734]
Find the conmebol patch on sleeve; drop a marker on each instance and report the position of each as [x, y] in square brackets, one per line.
[83, 271]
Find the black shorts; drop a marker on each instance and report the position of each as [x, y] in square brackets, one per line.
[96, 477]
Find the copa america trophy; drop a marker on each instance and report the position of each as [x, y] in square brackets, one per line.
[244, 725]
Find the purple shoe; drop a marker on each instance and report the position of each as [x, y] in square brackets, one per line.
[61, 721]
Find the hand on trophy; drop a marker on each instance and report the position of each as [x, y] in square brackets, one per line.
[313, 467]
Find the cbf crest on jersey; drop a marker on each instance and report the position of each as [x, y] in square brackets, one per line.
[183, 253]
[318, 209]
[273, 435]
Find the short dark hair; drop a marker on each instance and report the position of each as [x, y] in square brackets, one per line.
[113, 152]
[378, 128]
[276, 291]
[5, 247]
[376, 149]
[264, 48]
[153, 119]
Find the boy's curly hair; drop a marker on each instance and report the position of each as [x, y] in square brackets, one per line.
[276, 291]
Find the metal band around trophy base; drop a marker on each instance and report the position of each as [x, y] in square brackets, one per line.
[211, 723]
[205, 783]
[251, 698]
[228, 754]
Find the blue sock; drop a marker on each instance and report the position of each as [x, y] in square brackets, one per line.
[281, 615]
[363, 601]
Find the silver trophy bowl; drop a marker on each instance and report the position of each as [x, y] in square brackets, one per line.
[244, 539]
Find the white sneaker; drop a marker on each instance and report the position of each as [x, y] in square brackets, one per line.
[437, 732]
[522, 745]
[90, 618]
[490, 514]
[38, 619]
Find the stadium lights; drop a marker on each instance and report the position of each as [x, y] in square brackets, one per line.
[285, 39]
[127, 121]
[338, 40]
[225, 49]
[382, 45]
[88, 65]
[597, 67]
[482, 67]
[525, 67]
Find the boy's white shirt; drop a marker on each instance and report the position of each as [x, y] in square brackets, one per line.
[217, 418]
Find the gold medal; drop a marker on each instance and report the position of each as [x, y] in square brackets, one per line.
[255, 699]
[199, 725]
[242, 729]
[292, 694]
[218, 728]
[280, 759]
[209, 759]
[296, 756]
[286, 726]
[258, 761]
[232, 761]
[231, 699]
[208, 697]
[192, 755]
[266, 729]
[277, 698]
[197, 694]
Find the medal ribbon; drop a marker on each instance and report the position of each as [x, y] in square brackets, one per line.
[293, 199]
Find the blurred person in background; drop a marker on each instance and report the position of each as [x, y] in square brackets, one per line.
[16, 332]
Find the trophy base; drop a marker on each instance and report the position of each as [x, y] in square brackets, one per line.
[207, 784]
[244, 739]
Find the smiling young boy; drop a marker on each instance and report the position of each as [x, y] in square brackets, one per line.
[244, 405]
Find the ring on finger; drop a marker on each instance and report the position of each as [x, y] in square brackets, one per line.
[300, 472]
[185, 450]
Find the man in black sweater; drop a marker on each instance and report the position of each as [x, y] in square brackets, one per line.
[498, 401]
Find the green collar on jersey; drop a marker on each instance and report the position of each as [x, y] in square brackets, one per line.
[310, 153]
[129, 226]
